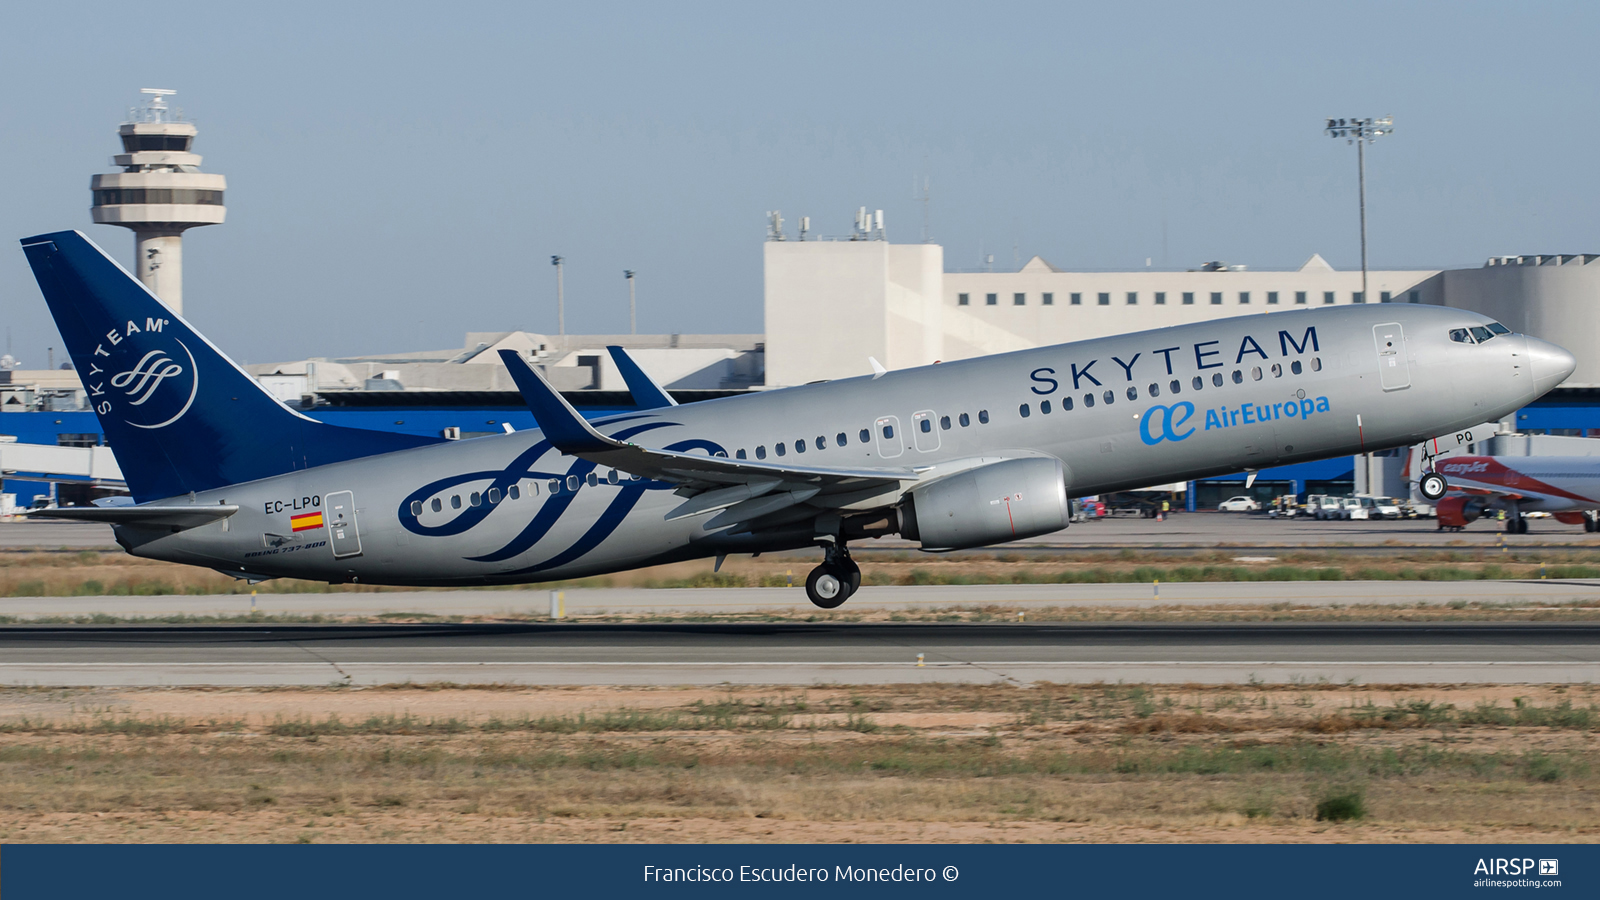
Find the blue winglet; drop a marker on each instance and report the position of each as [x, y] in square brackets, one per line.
[557, 419]
[646, 393]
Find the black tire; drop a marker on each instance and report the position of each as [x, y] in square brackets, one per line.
[1432, 486]
[852, 573]
[1589, 523]
[827, 587]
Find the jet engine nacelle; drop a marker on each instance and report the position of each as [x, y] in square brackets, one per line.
[1456, 512]
[992, 504]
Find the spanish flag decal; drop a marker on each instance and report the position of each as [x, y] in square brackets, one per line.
[305, 521]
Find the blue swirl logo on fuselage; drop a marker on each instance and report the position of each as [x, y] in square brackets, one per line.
[1171, 419]
[522, 467]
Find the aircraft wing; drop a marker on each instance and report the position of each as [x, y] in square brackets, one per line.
[721, 482]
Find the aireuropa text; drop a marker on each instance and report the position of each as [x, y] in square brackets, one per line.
[794, 873]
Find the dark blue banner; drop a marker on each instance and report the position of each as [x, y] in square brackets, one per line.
[396, 872]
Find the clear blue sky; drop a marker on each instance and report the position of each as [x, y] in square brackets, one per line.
[399, 173]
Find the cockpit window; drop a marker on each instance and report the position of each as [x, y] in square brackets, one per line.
[1497, 328]
[1460, 336]
[1481, 333]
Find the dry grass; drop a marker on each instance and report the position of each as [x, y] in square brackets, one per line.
[91, 572]
[912, 762]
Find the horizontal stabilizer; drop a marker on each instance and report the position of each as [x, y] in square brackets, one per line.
[646, 393]
[184, 516]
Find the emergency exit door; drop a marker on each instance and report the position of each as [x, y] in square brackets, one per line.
[1393, 370]
[340, 508]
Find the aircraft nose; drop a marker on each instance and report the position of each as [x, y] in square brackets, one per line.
[1551, 364]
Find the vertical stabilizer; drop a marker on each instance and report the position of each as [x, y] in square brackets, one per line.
[179, 414]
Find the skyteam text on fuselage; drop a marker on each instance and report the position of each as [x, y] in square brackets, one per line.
[962, 454]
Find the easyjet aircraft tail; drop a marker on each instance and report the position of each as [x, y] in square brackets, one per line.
[178, 413]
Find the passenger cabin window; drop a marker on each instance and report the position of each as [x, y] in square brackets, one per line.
[840, 439]
[983, 417]
[1238, 377]
[761, 451]
[1175, 386]
[573, 482]
[782, 450]
[1155, 390]
[1217, 379]
[476, 499]
[1316, 364]
[1277, 370]
[514, 492]
[1295, 367]
[1044, 407]
[1109, 397]
[494, 495]
[437, 506]
[611, 476]
[739, 454]
[1066, 403]
[888, 431]
[555, 485]
[593, 479]
[800, 446]
[866, 436]
[964, 420]
[822, 442]
[1088, 401]
[1255, 373]
[416, 508]
[944, 423]
[455, 501]
[1197, 384]
[1023, 411]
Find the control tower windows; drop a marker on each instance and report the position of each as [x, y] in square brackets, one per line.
[1327, 298]
[117, 196]
[133, 143]
[1216, 298]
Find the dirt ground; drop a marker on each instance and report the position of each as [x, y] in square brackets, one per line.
[958, 763]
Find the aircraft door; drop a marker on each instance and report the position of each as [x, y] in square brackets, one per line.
[890, 443]
[343, 536]
[925, 431]
[1393, 370]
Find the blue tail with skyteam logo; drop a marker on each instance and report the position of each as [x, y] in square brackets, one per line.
[179, 414]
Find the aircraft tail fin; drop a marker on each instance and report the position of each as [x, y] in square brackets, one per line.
[179, 415]
[647, 394]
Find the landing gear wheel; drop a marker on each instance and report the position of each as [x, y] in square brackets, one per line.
[1517, 525]
[1589, 522]
[852, 572]
[1432, 486]
[828, 586]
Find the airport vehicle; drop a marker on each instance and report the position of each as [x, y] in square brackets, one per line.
[963, 454]
[1324, 506]
[1240, 503]
[1380, 507]
[1567, 487]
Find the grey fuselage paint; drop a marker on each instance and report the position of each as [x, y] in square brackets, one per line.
[1335, 405]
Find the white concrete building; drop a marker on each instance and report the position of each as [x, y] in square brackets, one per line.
[830, 305]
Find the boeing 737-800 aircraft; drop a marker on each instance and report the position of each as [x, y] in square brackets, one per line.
[962, 454]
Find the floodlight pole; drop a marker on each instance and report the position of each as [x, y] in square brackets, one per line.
[561, 302]
[633, 307]
[1361, 132]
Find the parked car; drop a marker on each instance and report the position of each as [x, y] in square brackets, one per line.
[1240, 503]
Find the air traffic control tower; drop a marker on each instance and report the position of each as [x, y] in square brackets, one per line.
[159, 193]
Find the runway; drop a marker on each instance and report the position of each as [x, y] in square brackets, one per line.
[799, 654]
[713, 601]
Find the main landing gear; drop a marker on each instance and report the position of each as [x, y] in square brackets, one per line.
[1516, 525]
[832, 583]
